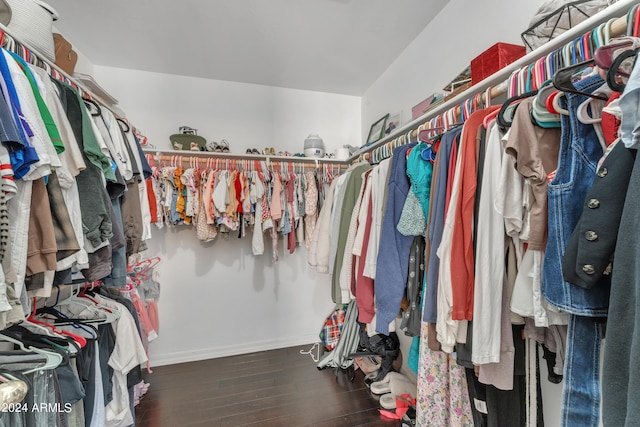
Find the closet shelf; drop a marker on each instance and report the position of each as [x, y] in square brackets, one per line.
[115, 110]
[250, 157]
[495, 84]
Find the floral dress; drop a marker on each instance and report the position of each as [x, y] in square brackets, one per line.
[443, 398]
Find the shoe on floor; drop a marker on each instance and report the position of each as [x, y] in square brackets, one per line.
[384, 386]
[399, 385]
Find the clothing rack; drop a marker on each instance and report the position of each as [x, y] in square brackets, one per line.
[495, 85]
[244, 161]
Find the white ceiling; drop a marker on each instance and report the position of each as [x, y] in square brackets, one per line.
[337, 46]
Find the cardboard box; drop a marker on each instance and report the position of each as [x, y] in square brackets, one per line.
[494, 59]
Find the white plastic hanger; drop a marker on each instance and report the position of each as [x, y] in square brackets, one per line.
[104, 314]
[556, 105]
[53, 359]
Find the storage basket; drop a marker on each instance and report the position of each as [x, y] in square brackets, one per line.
[555, 17]
[31, 22]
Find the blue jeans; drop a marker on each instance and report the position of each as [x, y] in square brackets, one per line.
[580, 151]
[581, 391]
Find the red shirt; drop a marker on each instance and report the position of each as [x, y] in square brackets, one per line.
[462, 261]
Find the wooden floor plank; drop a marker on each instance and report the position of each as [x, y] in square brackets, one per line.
[267, 389]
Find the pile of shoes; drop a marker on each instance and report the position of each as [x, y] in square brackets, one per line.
[187, 138]
[397, 396]
[218, 147]
[385, 346]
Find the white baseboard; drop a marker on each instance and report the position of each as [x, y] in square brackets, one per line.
[232, 350]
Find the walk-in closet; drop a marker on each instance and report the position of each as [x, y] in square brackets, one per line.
[328, 213]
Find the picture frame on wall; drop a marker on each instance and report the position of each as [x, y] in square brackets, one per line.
[393, 123]
[376, 132]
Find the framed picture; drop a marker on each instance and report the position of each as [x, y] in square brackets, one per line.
[377, 130]
[393, 122]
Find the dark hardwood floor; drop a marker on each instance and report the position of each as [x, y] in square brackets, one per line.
[269, 388]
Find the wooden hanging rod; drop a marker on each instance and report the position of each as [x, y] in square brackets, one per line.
[496, 83]
[205, 155]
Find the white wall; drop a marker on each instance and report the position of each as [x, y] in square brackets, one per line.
[217, 298]
[460, 32]
[247, 115]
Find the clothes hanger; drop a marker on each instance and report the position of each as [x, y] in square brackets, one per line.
[124, 122]
[542, 114]
[620, 71]
[82, 341]
[556, 104]
[88, 102]
[38, 340]
[509, 106]
[605, 55]
[563, 79]
[582, 113]
[633, 21]
[53, 359]
[105, 314]
[489, 118]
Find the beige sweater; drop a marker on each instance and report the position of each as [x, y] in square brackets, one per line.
[319, 251]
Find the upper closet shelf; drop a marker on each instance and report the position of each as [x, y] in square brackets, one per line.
[103, 97]
[496, 84]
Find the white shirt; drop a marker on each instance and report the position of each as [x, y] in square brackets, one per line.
[490, 264]
[378, 183]
[116, 145]
[19, 210]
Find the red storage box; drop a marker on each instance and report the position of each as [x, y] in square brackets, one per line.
[493, 59]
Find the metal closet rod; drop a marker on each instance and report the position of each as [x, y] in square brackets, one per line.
[496, 82]
[205, 155]
[44, 59]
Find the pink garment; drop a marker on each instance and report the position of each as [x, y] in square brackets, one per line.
[266, 211]
[147, 332]
[139, 390]
[276, 198]
[152, 309]
[143, 315]
[291, 237]
[207, 199]
[364, 285]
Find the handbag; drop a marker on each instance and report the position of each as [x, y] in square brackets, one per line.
[332, 328]
[66, 57]
[31, 22]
